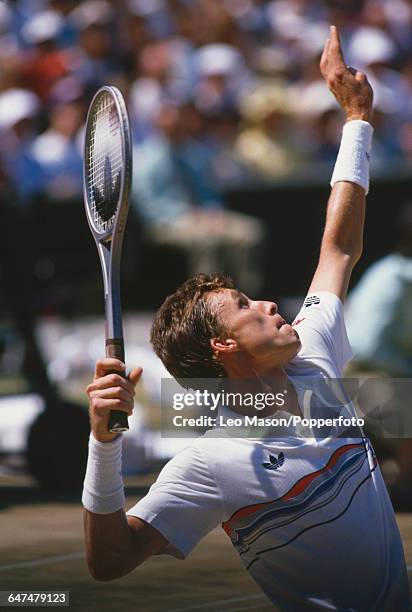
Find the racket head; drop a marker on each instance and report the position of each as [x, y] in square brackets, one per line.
[107, 164]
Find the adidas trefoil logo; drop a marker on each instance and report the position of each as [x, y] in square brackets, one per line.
[313, 299]
[274, 463]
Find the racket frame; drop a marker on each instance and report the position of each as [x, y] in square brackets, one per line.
[109, 243]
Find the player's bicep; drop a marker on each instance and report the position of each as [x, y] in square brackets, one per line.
[333, 273]
[147, 540]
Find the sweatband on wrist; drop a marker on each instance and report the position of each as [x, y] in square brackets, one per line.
[352, 163]
[103, 491]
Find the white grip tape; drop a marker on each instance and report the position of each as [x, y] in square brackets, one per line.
[352, 163]
[103, 491]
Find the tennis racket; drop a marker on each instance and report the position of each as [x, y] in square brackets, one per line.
[107, 179]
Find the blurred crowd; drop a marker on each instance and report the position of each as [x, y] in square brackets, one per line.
[234, 83]
[219, 93]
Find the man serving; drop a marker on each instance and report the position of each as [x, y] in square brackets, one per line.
[310, 517]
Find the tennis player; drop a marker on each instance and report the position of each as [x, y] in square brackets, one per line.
[310, 517]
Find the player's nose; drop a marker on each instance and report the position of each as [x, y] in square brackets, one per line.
[269, 308]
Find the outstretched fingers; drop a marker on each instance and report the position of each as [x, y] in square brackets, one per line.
[335, 46]
[349, 86]
[332, 59]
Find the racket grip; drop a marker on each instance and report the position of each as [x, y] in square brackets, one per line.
[118, 419]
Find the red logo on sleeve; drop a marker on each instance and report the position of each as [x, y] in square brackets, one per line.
[298, 321]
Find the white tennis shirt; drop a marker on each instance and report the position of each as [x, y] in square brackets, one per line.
[316, 533]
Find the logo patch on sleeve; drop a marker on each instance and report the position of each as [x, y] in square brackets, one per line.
[313, 299]
[274, 462]
[297, 321]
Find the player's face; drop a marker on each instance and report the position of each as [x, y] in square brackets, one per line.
[257, 329]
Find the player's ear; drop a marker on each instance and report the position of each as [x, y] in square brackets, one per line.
[224, 346]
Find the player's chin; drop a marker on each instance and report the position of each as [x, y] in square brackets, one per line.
[288, 344]
[292, 341]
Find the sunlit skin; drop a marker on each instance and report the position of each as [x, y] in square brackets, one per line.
[257, 340]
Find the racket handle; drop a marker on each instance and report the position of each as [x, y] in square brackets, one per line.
[118, 419]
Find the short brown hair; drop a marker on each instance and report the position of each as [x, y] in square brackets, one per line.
[184, 325]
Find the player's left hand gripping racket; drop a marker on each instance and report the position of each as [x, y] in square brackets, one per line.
[107, 179]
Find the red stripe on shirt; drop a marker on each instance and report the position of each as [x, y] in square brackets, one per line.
[296, 489]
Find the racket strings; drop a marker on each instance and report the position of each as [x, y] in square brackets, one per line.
[105, 163]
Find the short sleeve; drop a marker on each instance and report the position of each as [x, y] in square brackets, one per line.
[184, 504]
[321, 327]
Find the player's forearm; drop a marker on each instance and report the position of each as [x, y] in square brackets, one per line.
[107, 534]
[345, 220]
[350, 183]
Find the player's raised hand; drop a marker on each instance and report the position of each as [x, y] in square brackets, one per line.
[110, 391]
[349, 86]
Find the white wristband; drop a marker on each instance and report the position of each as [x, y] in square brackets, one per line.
[352, 163]
[103, 484]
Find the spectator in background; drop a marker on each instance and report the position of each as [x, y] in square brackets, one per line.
[8, 39]
[393, 17]
[67, 35]
[19, 111]
[221, 74]
[176, 197]
[228, 168]
[266, 143]
[379, 317]
[59, 154]
[157, 79]
[95, 59]
[150, 19]
[320, 122]
[376, 52]
[43, 64]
